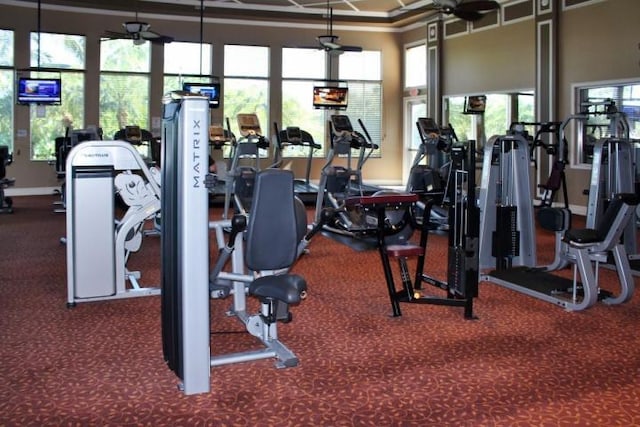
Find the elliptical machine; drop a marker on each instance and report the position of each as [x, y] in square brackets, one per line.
[293, 136]
[429, 182]
[245, 163]
[351, 224]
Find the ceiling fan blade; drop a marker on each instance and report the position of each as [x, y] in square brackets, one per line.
[116, 35]
[161, 39]
[149, 35]
[331, 46]
[155, 37]
[351, 48]
[477, 6]
[467, 15]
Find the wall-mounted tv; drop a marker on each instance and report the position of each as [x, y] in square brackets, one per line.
[475, 104]
[210, 90]
[330, 97]
[39, 91]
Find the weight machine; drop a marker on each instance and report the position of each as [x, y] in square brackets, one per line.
[507, 235]
[260, 270]
[555, 147]
[98, 246]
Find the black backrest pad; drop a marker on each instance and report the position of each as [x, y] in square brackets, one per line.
[272, 235]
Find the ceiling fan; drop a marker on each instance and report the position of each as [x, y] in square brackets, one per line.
[139, 32]
[329, 41]
[470, 10]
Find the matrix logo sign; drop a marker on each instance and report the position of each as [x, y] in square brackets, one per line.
[196, 160]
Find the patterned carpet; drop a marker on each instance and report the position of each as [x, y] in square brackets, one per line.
[524, 362]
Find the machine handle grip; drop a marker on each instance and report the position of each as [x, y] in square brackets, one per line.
[365, 130]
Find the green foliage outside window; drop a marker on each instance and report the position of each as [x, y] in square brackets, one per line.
[124, 100]
[65, 52]
[124, 85]
[48, 122]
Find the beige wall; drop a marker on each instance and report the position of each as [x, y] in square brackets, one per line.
[493, 60]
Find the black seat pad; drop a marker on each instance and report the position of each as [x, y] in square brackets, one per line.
[287, 288]
[582, 236]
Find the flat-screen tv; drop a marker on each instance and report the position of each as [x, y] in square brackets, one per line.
[475, 104]
[210, 90]
[33, 90]
[330, 97]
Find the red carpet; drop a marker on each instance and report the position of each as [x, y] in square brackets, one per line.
[523, 362]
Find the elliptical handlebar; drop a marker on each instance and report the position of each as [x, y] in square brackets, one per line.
[366, 132]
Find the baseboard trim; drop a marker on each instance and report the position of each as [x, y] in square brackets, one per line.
[31, 191]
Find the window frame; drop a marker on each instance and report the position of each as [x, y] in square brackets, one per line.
[374, 127]
[575, 127]
[317, 130]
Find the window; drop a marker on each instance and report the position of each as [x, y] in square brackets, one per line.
[415, 66]
[67, 53]
[124, 85]
[596, 101]
[246, 84]
[300, 69]
[6, 88]
[363, 71]
[186, 62]
[500, 108]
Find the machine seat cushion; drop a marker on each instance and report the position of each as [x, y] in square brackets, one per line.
[287, 288]
[582, 237]
[404, 251]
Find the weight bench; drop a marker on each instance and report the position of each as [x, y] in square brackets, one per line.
[411, 291]
[586, 248]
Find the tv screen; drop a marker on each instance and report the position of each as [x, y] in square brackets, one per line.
[210, 90]
[39, 91]
[335, 98]
[475, 104]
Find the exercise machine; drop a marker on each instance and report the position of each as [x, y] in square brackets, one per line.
[507, 235]
[98, 245]
[245, 163]
[293, 136]
[186, 277]
[549, 138]
[6, 158]
[219, 141]
[144, 141]
[351, 224]
[425, 177]
[613, 171]
[461, 286]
